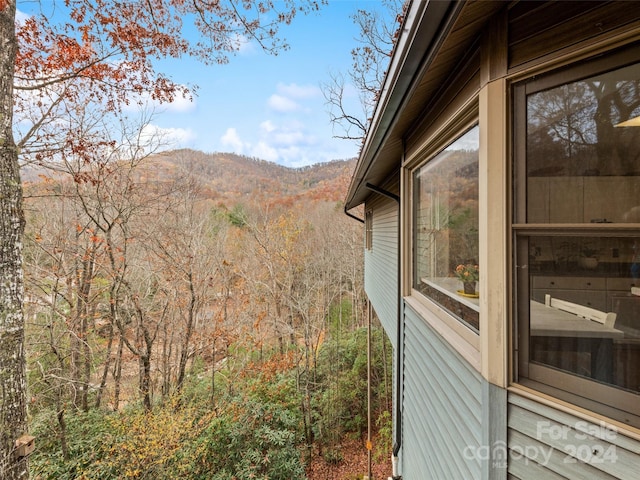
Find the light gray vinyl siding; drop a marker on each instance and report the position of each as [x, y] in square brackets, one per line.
[381, 263]
[442, 418]
[545, 443]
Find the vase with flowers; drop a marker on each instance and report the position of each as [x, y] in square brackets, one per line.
[468, 274]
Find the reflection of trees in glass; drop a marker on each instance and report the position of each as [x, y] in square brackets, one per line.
[571, 129]
[617, 147]
[562, 116]
[464, 236]
[447, 214]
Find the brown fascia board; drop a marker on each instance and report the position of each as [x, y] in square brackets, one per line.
[424, 25]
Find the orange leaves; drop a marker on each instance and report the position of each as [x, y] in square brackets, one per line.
[44, 53]
[101, 57]
[258, 321]
[277, 363]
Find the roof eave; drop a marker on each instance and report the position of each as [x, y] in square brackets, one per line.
[425, 21]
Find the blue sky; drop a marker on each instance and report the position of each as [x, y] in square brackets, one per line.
[271, 107]
[260, 105]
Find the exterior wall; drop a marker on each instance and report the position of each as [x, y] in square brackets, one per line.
[459, 421]
[545, 443]
[381, 279]
[442, 398]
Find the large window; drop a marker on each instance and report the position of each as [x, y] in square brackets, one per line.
[445, 239]
[577, 234]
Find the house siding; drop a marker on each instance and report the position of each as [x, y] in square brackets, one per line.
[381, 280]
[546, 443]
[455, 423]
[442, 417]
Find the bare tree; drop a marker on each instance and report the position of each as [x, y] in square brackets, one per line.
[188, 244]
[377, 34]
[101, 54]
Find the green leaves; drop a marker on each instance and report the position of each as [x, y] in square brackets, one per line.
[255, 435]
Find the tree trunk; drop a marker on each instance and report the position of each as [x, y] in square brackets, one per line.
[107, 365]
[166, 362]
[64, 446]
[213, 374]
[184, 355]
[117, 373]
[87, 311]
[145, 381]
[13, 409]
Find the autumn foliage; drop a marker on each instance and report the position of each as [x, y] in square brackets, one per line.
[170, 326]
[198, 331]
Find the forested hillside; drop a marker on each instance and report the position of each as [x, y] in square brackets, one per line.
[199, 316]
[229, 178]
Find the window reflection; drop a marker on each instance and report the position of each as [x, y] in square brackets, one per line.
[446, 226]
[583, 167]
[577, 124]
[585, 307]
[583, 163]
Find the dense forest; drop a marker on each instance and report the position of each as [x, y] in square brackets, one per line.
[198, 316]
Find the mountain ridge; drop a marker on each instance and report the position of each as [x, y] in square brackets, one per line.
[229, 177]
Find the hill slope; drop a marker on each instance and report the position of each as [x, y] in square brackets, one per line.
[228, 178]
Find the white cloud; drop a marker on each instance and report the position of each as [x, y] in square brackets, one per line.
[244, 45]
[288, 97]
[267, 126]
[299, 91]
[265, 151]
[286, 139]
[282, 104]
[289, 143]
[232, 140]
[144, 101]
[167, 137]
[180, 104]
[21, 17]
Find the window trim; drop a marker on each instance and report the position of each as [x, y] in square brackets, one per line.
[605, 399]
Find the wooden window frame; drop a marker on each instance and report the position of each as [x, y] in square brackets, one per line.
[601, 398]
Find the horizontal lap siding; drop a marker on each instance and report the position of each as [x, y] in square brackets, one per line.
[442, 407]
[381, 261]
[547, 443]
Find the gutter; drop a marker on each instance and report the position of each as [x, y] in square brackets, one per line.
[426, 22]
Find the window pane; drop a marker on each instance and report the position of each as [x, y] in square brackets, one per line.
[583, 150]
[585, 307]
[446, 226]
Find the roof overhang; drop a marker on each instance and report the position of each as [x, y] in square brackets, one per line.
[436, 35]
[425, 22]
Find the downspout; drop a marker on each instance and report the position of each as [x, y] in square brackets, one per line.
[352, 216]
[398, 403]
